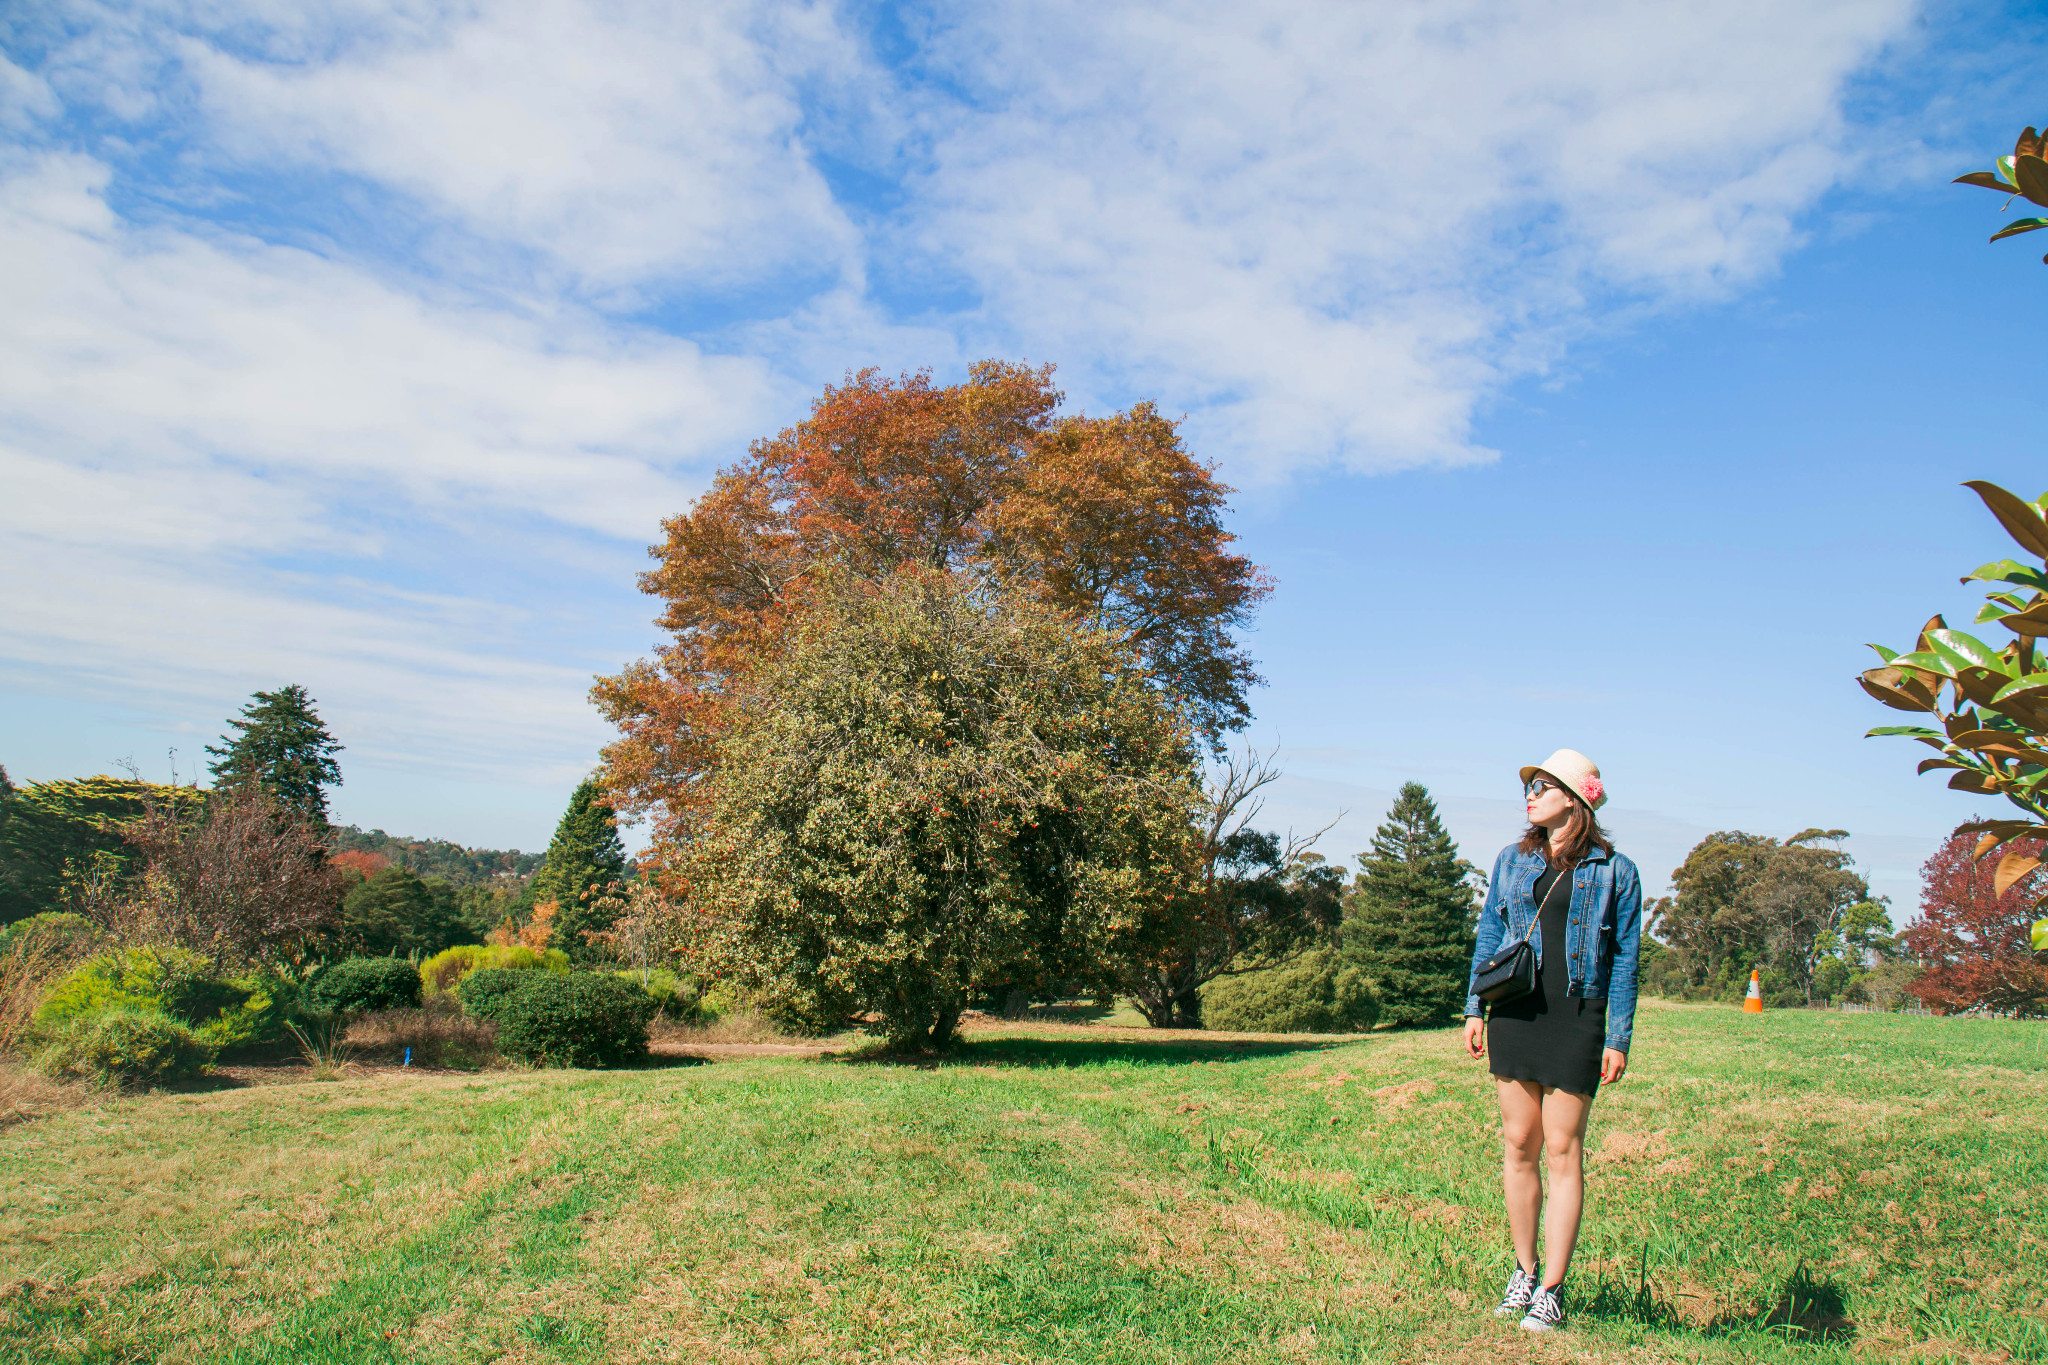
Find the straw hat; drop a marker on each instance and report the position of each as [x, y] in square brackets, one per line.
[1577, 772]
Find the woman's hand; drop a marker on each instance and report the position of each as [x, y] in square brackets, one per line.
[1613, 1062]
[1475, 1035]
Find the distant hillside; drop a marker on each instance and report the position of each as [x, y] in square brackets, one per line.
[453, 863]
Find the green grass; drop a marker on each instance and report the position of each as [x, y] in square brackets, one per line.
[1809, 1187]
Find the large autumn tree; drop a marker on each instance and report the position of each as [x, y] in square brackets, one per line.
[1973, 934]
[1107, 520]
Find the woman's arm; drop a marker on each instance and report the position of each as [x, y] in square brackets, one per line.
[1628, 947]
[1490, 932]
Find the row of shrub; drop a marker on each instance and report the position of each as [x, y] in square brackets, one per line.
[144, 1016]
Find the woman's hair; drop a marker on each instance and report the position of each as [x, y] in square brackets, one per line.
[1581, 832]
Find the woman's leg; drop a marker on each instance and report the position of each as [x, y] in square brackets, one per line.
[1564, 1140]
[1521, 1130]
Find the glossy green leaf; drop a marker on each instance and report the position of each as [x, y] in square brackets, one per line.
[2030, 684]
[1916, 731]
[2017, 226]
[2030, 173]
[2019, 518]
[2004, 167]
[1927, 661]
[1886, 654]
[1963, 650]
[1988, 180]
[1928, 765]
[2032, 621]
[2008, 571]
[2038, 936]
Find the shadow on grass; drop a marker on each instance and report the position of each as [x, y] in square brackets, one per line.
[1065, 1052]
[1804, 1309]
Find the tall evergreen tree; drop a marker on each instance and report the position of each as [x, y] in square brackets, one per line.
[584, 857]
[1410, 919]
[282, 744]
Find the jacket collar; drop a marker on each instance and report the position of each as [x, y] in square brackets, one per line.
[1595, 854]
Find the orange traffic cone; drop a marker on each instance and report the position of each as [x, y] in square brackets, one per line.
[1753, 1003]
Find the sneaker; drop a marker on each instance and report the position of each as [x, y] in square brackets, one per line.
[1546, 1310]
[1521, 1288]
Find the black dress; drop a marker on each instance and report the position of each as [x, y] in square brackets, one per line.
[1549, 1036]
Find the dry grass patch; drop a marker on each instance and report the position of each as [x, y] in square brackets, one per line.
[26, 1095]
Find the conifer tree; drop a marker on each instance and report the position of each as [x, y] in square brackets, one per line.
[584, 857]
[1410, 915]
[282, 745]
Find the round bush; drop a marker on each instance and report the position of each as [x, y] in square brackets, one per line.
[486, 989]
[357, 985]
[574, 1019]
[1318, 993]
[126, 1046]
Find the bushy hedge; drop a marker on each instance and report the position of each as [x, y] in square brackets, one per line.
[563, 1018]
[225, 1012]
[122, 1045]
[356, 985]
[675, 996]
[446, 970]
[1320, 992]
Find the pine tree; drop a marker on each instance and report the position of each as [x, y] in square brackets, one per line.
[584, 857]
[1411, 914]
[282, 745]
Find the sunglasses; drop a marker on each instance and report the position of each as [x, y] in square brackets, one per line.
[1539, 785]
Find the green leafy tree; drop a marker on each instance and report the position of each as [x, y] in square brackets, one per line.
[398, 914]
[280, 744]
[1259, 903]
[59, 837]
[1746, 900]
[1411, 915]
[935, 791]
[2024, 174]
[584, 860]
[1990, 704]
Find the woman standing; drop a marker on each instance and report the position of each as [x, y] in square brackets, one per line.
[1579, 903]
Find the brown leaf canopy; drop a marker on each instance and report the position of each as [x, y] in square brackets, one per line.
[1108, 520]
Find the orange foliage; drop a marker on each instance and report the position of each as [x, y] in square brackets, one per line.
[534, 934]
[1108, 519]
[360, 861]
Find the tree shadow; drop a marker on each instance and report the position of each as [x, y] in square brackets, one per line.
[1804, 1309]
[1079, 1052]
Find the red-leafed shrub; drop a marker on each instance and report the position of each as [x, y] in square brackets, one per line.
[1973, 940]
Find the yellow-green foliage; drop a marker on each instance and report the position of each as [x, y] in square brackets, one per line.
[444, 971]
[225, 1011]
[126, 1046]
[676, 996]
[1320, 992]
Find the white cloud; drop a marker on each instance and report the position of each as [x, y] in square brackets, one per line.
[1332, 230]
[1329, 232]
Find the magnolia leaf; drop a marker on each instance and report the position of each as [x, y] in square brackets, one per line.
[2004, 167]
[2027, 709]
[1896, 690]
[2028, 143]
[1928, 765]
[1934, 622]
[2032, 621]
[2003, 830]
[1925, 661]
[1967, 781]
[1967, 650]
[1982, 738]
[2032, 684]
[1916, 731]
[2019, 519]
[1886, 654]
[1988, 180]
[2011, 868]
[1984, 845]
[2017, 226]
[1980, 685]
[2030, 173]
[2038, 936]
[2008, 571]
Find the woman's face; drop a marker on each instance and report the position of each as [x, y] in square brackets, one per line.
[1551, 806]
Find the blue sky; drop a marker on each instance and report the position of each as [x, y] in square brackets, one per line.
[1593, 374]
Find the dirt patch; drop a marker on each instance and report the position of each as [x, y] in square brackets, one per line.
[1622, 1148]
[1394, 1098]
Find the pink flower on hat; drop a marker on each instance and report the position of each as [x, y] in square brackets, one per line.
[1591, 789]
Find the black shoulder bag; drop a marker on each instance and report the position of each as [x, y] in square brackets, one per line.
[1510, 973]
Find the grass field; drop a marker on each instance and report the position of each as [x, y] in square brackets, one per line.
[1795, 1186]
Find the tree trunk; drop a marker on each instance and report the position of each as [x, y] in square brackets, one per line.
[1187, 1010]
[944, 1028]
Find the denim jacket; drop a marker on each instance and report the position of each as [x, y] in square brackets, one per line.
[1603, 929]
